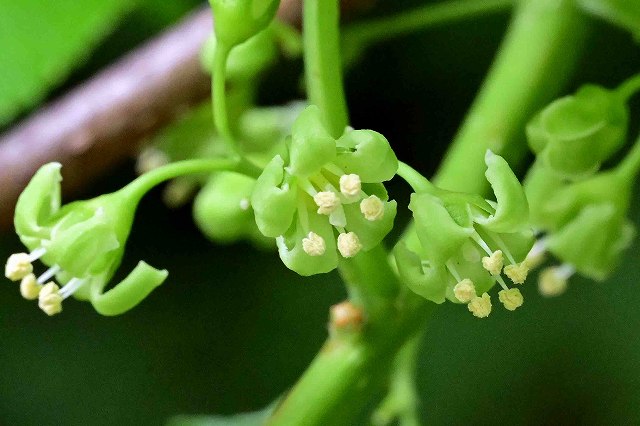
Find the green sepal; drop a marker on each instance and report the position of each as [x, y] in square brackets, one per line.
[367, 154]
[217, 209]
[575, 134]
[246, 60]
[129, 292]
[370, 232]
[311, 145]
[291, 251]
[511, 210]
[593, 241]
[36, 204]
[429, 282]
[238, 20]
[440, 235]
[540, 185]
[274, 199]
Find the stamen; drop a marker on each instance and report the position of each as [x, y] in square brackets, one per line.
[48, 274]
[553, 281]
[536, 255]
[493, 263]
[517, 272]
[372, 208]
[313, 244]
[453, 271]
[71, 287]
[29, 287]
[37, 254]
[49, 300]
[18, 266]
[349, 244]
[480, 242]
[350, 186]
[511, 299]
[327, 202]
[480, 307]
[465, 291]
[500, 242]
[501, 282]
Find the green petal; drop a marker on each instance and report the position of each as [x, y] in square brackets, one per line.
[129, 292]
[370, 232]
[37, 203]
[428, 282]
[293, 255]
[311, 145]
[274, 199]
[368, 155]
[217, 209]
[540, 184]
[440, 235]
[593, 241]
[512, 209]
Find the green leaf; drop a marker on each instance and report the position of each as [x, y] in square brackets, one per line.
[43, 40]
[623, 13]
[255, 418]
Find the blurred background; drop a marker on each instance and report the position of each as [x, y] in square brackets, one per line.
[232, 328]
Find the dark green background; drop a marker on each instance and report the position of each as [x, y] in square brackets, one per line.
[231, 328]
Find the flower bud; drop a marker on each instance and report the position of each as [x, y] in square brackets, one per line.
[238, 20]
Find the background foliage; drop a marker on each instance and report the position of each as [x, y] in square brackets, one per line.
[232, 328]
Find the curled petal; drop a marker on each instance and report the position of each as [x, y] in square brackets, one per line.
[429, 282]
[512, 209]
[311, 145]
[273, 199]
[129, 292]
[368, 155]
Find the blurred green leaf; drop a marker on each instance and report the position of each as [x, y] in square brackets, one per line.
[41, 41]
[623, 13]
[255, 418]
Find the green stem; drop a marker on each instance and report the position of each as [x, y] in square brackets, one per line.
[144, 183]
[630, 165]
[414, 178]
[629, 87]
[540, 50]
[322, 63]
[426, 16]
[219, 97]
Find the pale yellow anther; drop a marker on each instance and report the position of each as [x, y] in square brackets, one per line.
[551, 283]
[350, 186]
[151, 159]
[493, 263]
[29, 287]
[313, 244]
[49, 299]
[517, 272]
[511, 299]
[18, 266]
[349, 244]
[327, 202]
[465, 291]
[372, 208]
[480, 307]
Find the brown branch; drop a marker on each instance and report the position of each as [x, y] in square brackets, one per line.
[102, 122]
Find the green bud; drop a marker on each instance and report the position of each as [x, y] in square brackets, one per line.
[235, 21]
[576, 133]
[274, 199]
[367, 154]
[311, 145]
[222, 210]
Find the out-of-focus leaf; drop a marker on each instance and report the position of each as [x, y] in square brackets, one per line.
[41, 41]
[624, 13]
[255, 418]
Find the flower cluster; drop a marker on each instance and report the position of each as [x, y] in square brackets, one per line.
[81, 243]
[579, 211]
[323, 198]
[464, 243]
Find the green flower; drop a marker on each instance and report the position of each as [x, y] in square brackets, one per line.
[461, 242]
[575, 134]
[238, 20]
[325, 186]
[82, 243]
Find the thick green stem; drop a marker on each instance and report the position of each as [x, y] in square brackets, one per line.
[419, 18]
[323, 71]
[535, 60]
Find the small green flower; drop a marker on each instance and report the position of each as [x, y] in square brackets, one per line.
[575, 134]
[81, 242]
[238, 20]
[462, 241]
[324, 186]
